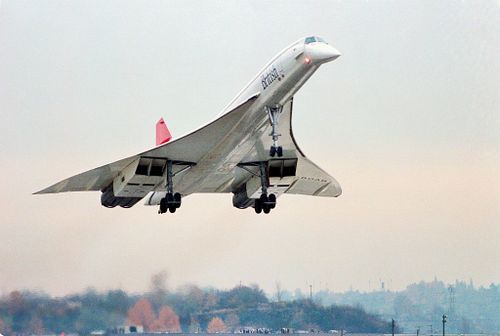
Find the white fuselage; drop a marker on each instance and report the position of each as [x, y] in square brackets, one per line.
[275, 85]
[281, 77]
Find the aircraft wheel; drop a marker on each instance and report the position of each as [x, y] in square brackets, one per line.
[172, 208]
[266, 209]
[177, 200]
[258, 206]
[272, 201]
[272, 151]
[163, 205]
[279, 151]
[169, 197]
[263, 199]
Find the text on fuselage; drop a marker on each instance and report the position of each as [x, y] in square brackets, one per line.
[270, 76]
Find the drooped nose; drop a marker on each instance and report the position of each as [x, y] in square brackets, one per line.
[322, 52]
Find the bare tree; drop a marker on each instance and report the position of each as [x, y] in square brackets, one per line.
[159, 283]
[232, 321]
[194, 325]
[279, 291]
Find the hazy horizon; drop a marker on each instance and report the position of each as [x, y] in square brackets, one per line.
[372, 287]
[407, 120]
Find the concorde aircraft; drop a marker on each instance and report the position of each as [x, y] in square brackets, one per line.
[248, 150]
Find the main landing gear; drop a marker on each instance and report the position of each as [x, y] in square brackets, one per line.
[172, 201]
[266, 202]
[274, 116]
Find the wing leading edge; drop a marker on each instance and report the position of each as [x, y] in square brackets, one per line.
[189, 148]
[310, 179]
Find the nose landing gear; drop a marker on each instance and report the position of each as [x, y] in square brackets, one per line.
[274, 116]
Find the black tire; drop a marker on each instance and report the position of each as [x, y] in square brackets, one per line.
[272, 201]
[163, 206]
[263, 199]
[272, 151]
[266, 209]
[279, 151]
[114, 202]
[170, 198]
[258, 206]
[177, 200]
[172, 209]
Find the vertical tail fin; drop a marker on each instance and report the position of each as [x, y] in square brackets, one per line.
[162, 133]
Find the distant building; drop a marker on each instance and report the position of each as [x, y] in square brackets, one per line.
[127, 329]
[98, 333]
[247, 330]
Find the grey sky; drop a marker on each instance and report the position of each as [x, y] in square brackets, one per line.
[407, 120]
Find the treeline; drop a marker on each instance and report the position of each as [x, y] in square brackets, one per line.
[421, 305]
[189, 309]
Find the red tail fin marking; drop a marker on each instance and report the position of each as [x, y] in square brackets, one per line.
[162, 133]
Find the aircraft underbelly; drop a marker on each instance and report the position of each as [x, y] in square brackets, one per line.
[216, 172]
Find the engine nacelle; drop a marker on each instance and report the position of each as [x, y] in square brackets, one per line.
[109, 200]
[241, 199]
[155, 198]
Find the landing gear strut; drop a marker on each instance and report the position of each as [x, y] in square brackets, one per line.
[171, 202]
[274, 116]
[265, 203]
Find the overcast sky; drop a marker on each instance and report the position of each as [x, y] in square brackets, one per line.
[407, 120]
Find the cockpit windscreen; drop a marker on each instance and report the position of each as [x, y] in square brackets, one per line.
[312, 39]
